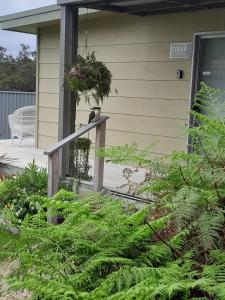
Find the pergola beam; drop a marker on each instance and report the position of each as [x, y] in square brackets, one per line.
[174, 6]
[76, 2]
[108, 7]
[147, 7]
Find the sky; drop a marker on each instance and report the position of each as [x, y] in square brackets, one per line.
[12, 40]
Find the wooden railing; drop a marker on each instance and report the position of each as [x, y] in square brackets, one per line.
[53, 155]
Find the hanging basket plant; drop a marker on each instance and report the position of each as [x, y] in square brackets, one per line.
[89, 77]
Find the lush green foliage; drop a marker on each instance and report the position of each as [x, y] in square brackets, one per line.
[7, 243]
[172, 249]
[81, 166]
[89, 75]
[22, 191]
[102, 251]
[18, 73]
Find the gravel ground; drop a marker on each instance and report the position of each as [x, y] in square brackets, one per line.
[5, 294]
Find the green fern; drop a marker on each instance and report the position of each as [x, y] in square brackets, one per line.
[171, 249]
[211, 226]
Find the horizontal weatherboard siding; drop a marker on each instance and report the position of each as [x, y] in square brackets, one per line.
[48, 86]
[49, 38]
[162, 108]
[147, 103]
[47, 114]
[160, 145]
[49, 100]
[177, 27]
[150, 52]
[48, 129]
[139, 124]
[151, 89]
[46, 141]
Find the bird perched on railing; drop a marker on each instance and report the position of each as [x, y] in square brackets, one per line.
[95, 114]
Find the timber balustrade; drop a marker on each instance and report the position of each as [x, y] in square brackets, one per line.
[53, 155]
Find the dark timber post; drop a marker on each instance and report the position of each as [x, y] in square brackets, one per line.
[67, 105]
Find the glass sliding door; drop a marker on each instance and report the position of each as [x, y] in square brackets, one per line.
[208, 66]
[212, 62]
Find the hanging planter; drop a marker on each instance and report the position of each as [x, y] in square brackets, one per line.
[89, 77]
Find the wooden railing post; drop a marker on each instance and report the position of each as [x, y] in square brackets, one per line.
[53, 155]
[99, 162]
[53, 173]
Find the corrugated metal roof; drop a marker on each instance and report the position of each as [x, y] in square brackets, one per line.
[145, 7]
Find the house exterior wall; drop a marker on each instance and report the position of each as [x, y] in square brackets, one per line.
[48, 86]
[151, 104]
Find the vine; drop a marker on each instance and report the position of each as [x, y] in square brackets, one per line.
[81, 165]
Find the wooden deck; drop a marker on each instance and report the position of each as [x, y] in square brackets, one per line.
[21, 155]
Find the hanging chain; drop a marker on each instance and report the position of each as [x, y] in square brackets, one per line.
[86, 43]
[85, 52]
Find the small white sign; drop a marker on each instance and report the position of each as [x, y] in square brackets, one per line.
[181, 50]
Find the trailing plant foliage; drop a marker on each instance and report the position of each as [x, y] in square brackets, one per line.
[89, 76]
[171, 249]
[81, 158]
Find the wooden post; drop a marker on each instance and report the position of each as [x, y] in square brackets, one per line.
[53, 156]
[99, 162]
[53, 173]
[67, 105]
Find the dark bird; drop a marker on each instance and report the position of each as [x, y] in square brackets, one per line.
[95, 114]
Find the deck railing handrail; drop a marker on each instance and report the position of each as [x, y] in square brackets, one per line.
[74, 136]
[53, 155]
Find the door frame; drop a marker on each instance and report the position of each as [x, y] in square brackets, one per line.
[195, 70]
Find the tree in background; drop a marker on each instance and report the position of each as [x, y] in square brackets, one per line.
[18, 73]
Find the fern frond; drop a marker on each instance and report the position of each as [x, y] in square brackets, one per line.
[210, 226]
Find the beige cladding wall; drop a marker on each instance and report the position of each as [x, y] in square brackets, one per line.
[48, 97]
[151, 104]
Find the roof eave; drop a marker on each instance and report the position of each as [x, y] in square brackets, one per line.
[29, 21]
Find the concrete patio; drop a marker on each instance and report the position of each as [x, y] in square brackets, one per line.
[20, 155]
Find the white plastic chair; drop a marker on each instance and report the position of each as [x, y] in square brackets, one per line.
[22, 123]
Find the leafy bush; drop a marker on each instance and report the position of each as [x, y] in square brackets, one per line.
[171, 249]
[18, 192]
[102, 251]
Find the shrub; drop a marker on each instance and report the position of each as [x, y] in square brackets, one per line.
[102, 251]
[171, 249]
[18, 192]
